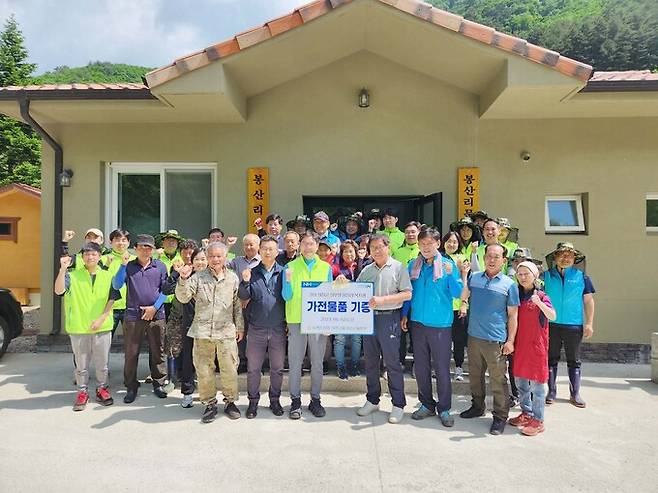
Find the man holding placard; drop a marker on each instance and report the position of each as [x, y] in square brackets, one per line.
[306, 267]
[392, 287]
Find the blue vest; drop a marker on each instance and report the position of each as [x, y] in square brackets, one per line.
[566, 294]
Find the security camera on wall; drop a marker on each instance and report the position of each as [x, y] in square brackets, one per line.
[525, 156]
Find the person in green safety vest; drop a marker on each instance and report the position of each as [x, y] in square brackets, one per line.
[88, 299]
[469, 235]
[490, 234]
[451, 245]
[390, 221]
[120, 241]
[508, 236]
[409, 248]
[169, 255]
[92, 235]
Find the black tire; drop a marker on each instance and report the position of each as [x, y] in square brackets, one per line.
[5, 335]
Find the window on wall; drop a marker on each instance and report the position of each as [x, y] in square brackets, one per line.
[564, 214]
[153, 197]
[9, 229]
[652, 212]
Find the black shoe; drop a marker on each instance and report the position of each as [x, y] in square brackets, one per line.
[252, 410]
[295, 409]
[159, 392]
[354, 371]
[316, 408]
[232, 411]
[130, 397]
[325, 368]
[497, 427]
[471, 412]
[275, 407]
[210, 413]
[342, 373]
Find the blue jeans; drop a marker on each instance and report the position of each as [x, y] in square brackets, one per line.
[339, 349]
[531, 405]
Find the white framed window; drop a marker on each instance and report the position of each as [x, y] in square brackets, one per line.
[652, 212]
[564, 214]
[146, 198]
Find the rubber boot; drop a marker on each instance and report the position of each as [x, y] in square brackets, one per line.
[171, 374]
[552, 385]
[574, 387]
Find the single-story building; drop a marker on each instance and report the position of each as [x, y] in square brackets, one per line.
[361, 103]
[20, 241]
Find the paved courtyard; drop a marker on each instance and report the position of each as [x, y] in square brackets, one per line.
[157, 445]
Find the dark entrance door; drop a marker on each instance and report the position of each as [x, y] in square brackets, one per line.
[426, 209]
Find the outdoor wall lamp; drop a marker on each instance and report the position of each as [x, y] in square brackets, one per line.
[65, 177]
[364, 98]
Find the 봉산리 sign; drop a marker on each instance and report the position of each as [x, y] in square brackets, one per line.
[335, 308]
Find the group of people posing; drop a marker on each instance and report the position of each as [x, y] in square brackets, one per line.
[202, 309]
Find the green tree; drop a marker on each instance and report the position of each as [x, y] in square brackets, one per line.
[93, 72]
[20, 147]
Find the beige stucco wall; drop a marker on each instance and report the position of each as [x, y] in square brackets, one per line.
[411, 140]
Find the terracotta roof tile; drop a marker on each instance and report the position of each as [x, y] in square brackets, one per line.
[422, 10]
[21, 187]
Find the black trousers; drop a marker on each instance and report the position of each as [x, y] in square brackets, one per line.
[187, 366]
[567, 336]
[459, 338]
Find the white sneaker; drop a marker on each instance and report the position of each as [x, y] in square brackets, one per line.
[367, 409]
[188, 401]
[459, 374]
[397, 413]
[169, 387]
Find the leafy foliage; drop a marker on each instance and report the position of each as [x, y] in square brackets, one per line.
[607, 34]
[20, 147]
[93, 72]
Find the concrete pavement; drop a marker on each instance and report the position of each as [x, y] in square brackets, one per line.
[156, 445]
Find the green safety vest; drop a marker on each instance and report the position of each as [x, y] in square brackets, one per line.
[511, 248]
[113, 268]
[85, 303]
[406, 253]
[300, 272]
[169, 263]
[457, 302]
[396, 236]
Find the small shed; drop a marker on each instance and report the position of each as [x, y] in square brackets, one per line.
[20, 227]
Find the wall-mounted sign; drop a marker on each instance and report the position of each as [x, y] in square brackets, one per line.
[468, 191]
[258, 195]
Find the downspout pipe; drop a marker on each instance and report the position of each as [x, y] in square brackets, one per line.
[24, 104]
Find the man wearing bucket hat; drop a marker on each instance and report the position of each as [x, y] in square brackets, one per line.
[352, 226]
[479, 217]
[522, 254]
[300, 224]
[572, 293]
[507, 232]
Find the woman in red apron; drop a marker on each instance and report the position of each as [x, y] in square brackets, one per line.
[531, 350]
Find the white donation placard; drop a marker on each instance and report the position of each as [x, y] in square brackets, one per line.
[335, 308]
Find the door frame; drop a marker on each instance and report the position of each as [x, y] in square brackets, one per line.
[113, 169]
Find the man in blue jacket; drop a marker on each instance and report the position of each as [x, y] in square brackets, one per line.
[436, 281]
[572, 294]
[261, 287]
